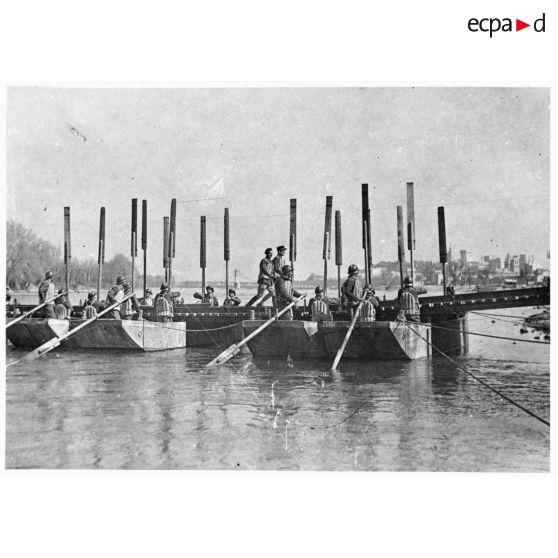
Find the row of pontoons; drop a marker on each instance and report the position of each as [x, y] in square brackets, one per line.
[218, 328]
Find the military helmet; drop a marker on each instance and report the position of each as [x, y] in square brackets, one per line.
[408, 282]
[92, 293]
[164, 287]
[120, 280]
[210, 288]
[148, 291]
[318, 290]
[49, 275]
[352, 269]
[286, 269]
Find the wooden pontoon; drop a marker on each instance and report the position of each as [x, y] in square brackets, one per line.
[378, 340]
[34, 332]
[131, 335]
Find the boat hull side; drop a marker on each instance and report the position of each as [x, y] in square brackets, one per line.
[34, 332]
[380, 340]
[131, 335]
[295, 338]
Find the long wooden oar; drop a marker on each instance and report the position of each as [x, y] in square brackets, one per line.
[349, 332]
[23, 316]
[234, 349]
[55, 342]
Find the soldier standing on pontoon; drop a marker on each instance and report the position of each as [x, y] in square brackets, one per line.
[351, 291]
[266, 279]
[47, 292]
[285, 292]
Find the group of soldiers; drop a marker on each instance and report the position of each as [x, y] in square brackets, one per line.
[275, 279]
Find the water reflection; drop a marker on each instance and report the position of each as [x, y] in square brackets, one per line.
[166, 410]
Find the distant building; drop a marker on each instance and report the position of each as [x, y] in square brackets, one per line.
[463, 258]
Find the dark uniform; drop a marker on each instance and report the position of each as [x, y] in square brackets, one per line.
[47, 292]
[351, 291]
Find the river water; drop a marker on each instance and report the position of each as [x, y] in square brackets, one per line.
[87, 410]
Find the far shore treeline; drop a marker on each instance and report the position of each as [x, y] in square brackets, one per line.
[29, 257]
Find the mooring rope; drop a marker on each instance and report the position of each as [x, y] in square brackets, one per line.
[497, 315]
[495, 336]
[497, 392]
[213, 328]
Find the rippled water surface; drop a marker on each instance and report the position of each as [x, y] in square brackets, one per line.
[165, 411]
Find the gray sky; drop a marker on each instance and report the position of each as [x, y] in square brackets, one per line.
[483, 153]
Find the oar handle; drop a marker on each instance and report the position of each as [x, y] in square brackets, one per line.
[33, 310]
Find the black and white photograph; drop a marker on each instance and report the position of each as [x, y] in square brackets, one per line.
[327, 278]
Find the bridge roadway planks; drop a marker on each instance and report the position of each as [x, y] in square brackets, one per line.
[489, 300]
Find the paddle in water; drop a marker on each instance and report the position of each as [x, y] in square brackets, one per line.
[234, 349]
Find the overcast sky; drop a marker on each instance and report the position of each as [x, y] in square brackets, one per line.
[483, 153]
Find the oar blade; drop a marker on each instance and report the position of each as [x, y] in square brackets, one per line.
[43, 349]
[225, 356]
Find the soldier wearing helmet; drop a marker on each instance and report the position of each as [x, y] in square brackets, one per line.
[91, 307]
[208, 297]
[114, 295]
[47, 292]
[147, 300]
[130, 309]
[351, 291]
[408, 300]
[232, 299]
[285, 291]
[319, 306]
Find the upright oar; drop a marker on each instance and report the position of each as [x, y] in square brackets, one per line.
[349, 332]
[366, 235]
[411, 226]
[327, 237]
[292, 234]
[400, 242]
[442, 241]
[144, 242]
[33, 310]
[101, 257]
[226, 250]
[203, 255]
[67, 246]
[134, 240]
[234, 349]
[338, 250]
[172, 237]
[166, 233]
[55, 342]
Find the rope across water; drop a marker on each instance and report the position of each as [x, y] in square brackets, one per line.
[482, 382]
